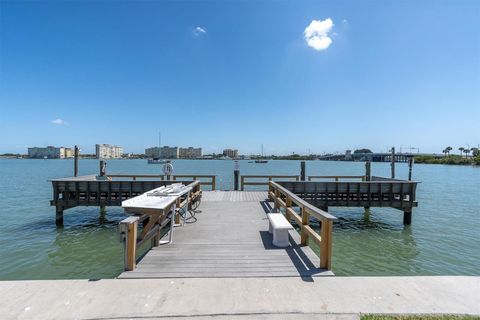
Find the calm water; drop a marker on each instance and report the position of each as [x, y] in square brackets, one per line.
[444, 238]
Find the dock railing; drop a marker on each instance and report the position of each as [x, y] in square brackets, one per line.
[268, 178]
[178, 177]
[283, 198]
[137, 176]
[212, 179]
[153, 224]
[337, 178]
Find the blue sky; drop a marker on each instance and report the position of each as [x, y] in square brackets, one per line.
[220, 74]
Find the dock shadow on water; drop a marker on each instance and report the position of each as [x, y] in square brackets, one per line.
[377, 244]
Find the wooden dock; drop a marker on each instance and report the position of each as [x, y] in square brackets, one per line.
[229, 239]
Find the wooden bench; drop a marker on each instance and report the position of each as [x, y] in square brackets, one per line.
[279, 227]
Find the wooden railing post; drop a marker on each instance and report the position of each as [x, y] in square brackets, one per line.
[305, 222]
[242, 181]
[275, 203]
[214, 184]
[288, 204]
[326, 244]
[128, 231]
[177, 213]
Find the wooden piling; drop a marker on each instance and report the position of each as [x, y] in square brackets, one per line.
[236, 175]
[407, 216]
[103, 168]
[302, 170]
[392, 163]
[411, 161]
[59, 216]
[368, 173]
[75, 164]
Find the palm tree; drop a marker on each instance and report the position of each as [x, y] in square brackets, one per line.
[448, 150]
[467, 151]
[461, 150]
[475, 151]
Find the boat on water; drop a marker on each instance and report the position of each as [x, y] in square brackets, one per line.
[261, 160]
[156, 161]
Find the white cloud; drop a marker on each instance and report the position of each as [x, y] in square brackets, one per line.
[199, 30]
[59, 122]
[317, 34]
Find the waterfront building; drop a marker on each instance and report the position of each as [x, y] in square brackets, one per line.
[50, 152]
[153, 152]
[348, 155]
[106, 151]
[69, 153]
[164, 152]
[231, 153]
[190, 153]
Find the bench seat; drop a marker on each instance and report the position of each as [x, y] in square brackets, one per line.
[279, 226]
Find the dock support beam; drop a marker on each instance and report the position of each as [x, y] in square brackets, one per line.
[59, 216]
[407, 216]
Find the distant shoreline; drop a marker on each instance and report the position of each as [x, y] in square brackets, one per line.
[449, 160]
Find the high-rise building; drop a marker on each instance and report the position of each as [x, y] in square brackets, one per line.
[50, 152]
[106, 151]
[231, 153]
[190, 153]
[164, 152]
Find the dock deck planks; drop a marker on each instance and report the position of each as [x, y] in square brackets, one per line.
[230, 239]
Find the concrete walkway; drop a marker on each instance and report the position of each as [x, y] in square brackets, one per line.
[236, 298]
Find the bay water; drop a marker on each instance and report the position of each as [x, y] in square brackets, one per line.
[444, 238]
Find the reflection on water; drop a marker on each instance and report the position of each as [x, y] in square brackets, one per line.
[372, 245]
[87, 249]
[443, 238]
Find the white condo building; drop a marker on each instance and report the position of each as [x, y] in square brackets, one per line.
[106, 151]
